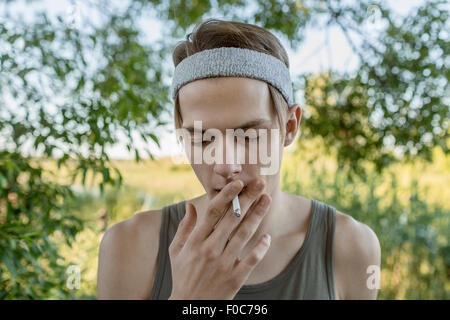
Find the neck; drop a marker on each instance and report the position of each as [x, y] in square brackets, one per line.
[276, 219]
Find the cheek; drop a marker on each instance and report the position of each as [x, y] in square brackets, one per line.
[268, 148]
[203, 172]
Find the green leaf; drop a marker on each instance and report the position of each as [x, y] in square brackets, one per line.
[155, 139]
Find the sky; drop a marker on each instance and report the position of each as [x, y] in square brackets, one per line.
[311, 56]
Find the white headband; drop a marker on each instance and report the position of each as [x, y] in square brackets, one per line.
[231, 61]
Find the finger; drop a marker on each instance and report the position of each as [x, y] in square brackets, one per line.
[244, 267]
[185, 228]
[215, 210]
[248, 197]
[247, 200]
[245, 231]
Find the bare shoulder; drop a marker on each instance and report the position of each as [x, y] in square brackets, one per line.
[128, 256]
[357, 255]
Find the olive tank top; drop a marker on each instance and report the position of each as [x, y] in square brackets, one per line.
[309, 275]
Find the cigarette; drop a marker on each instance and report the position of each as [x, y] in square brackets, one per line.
[236, 207]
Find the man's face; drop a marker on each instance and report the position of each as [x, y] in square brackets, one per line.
[231, 103]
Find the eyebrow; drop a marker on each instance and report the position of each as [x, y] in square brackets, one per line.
[250, 124]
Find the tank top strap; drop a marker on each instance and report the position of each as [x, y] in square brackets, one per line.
[171, 216]
[321, 242]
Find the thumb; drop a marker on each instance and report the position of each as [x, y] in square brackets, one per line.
[184, 229]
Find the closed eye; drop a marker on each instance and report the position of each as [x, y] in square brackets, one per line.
[246, 138]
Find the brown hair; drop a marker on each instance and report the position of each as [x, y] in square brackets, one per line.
[215, 33]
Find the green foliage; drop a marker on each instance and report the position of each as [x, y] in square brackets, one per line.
[395, 99]
[32, 210]
[65, 93]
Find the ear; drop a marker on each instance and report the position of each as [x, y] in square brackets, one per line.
[292, 123]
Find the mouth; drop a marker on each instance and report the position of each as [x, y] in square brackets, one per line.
[243, 190]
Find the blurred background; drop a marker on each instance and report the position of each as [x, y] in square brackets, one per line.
[87, 136]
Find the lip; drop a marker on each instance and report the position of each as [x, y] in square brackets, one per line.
[218, 190]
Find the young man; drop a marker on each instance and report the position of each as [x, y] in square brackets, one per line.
[198, 248]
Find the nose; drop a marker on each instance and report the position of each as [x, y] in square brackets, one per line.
[228, 171]
[231, 169]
